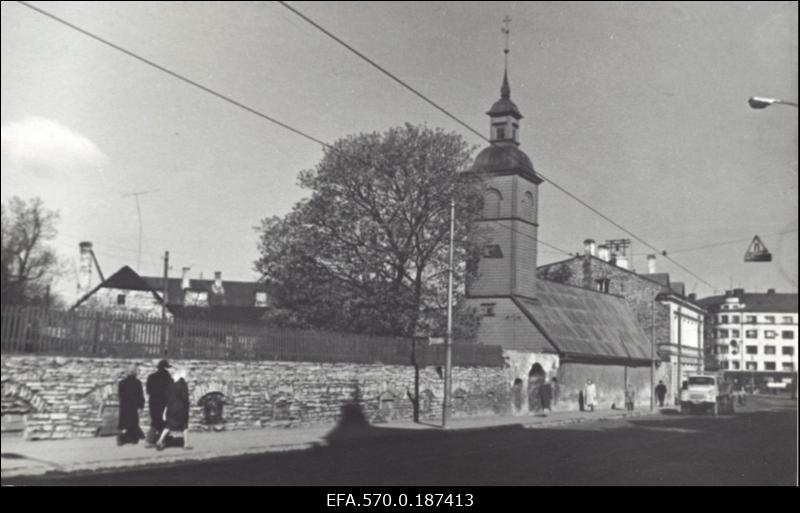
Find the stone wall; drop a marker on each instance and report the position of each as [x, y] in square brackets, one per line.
[70, 396]
[609, 381]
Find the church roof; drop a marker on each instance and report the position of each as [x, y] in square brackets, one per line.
[504, 106]
[502, 158]
[584, 325]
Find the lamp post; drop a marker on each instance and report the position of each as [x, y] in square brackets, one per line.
[758, 102]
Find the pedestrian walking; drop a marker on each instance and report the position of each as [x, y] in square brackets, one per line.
[661, 393]
[581, 401]
[176, 415]
[590, 395]
[545, 397]
[157, 384]
[131, 401]
[630, 397]
[554, 385]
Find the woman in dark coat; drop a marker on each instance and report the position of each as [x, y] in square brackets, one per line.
[131, 400]
[177, 412]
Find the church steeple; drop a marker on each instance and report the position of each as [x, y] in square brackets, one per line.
[504, 114]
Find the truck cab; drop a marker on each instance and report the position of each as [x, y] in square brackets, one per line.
[706, 392]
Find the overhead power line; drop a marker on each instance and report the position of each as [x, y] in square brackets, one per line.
[223, 97]
[729, 242]
[479, 134]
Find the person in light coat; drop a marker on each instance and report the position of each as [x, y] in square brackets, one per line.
[590, 395]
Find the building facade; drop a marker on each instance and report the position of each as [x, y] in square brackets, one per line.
[754, 332]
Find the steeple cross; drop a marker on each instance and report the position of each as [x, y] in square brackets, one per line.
[506, 30]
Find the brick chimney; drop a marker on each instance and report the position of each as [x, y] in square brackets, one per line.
[186, 282]
[603, 253]
[217, 288]
[621, 261]
[85, 265]
[651, 264]
[590, 247]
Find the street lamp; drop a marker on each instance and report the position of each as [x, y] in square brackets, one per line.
[757, 102]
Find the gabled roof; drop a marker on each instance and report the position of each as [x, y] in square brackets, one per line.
[584, 325]
[126, 278]
[237, 293]
[777, 302]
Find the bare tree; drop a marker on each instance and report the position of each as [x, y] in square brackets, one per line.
[28, 264]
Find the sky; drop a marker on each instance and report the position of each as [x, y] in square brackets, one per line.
[638, 108]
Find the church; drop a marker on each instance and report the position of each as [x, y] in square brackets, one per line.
[547, 329]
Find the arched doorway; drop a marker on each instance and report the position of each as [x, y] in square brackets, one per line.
[536, 378]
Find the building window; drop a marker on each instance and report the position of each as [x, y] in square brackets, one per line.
[751, 333]
[723, 365]
[769, 366]
[487, 309]
[751, 349]
[492, 251]
[723, 349]
[750, 319]
[787, 350]
[770, 334]
[261, 299]
[120, 299]
[787, 319]
[491, 203]
[602, 285]
[787, 335]
[724, 319]
[735, 365]
[787, 366]
[751, 366]
[723, 333]
[769, 319]
[527, 206]
[769, 349]
[735, 334]
[735, 319]
[501, 133]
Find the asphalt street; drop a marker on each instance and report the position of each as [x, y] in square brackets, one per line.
[756, 446]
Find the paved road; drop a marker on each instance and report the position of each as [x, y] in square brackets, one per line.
[757, 446]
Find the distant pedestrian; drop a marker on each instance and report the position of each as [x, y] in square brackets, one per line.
[590, 395]
[630, 397]
[177, 412]
[581, 401]
[157, 384]
[661, 393]
[545, 397]
[131, 401]
[554, 385]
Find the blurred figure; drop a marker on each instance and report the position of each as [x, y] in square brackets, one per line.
[661, 393]
[590, 395]
[177, 412]
[131, 401]
[157, 384]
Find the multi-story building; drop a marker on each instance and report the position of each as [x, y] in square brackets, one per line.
[754, 332]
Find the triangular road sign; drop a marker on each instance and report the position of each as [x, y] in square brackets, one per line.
[757, 252]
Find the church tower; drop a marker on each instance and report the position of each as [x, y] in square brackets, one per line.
[509, 223]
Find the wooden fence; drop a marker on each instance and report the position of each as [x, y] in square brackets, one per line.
[102, 334]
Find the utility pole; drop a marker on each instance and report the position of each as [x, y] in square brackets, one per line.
[164, 299]
[448, 341]
[139, 217]
[652, 354]
[680, 350]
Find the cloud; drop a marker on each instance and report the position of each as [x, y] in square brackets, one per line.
[47, 147]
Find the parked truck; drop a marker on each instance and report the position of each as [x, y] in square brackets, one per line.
[708, 392]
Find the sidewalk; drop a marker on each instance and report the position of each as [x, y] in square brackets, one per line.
[25, 458]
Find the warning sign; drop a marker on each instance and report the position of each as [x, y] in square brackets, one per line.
[757, 252]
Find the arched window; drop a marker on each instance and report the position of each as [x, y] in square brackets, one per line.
[527, 206]
[491, 203]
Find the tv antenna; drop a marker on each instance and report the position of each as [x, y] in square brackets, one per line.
[139, 217]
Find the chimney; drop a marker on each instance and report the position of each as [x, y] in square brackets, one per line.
[218, 279]
[738, 292]
[185, 280]
[603, 253]
[84, 269]
[693, 296]
[651, 264]
[621, 261]
[728, 293]
[770, 291]
[590, 246]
